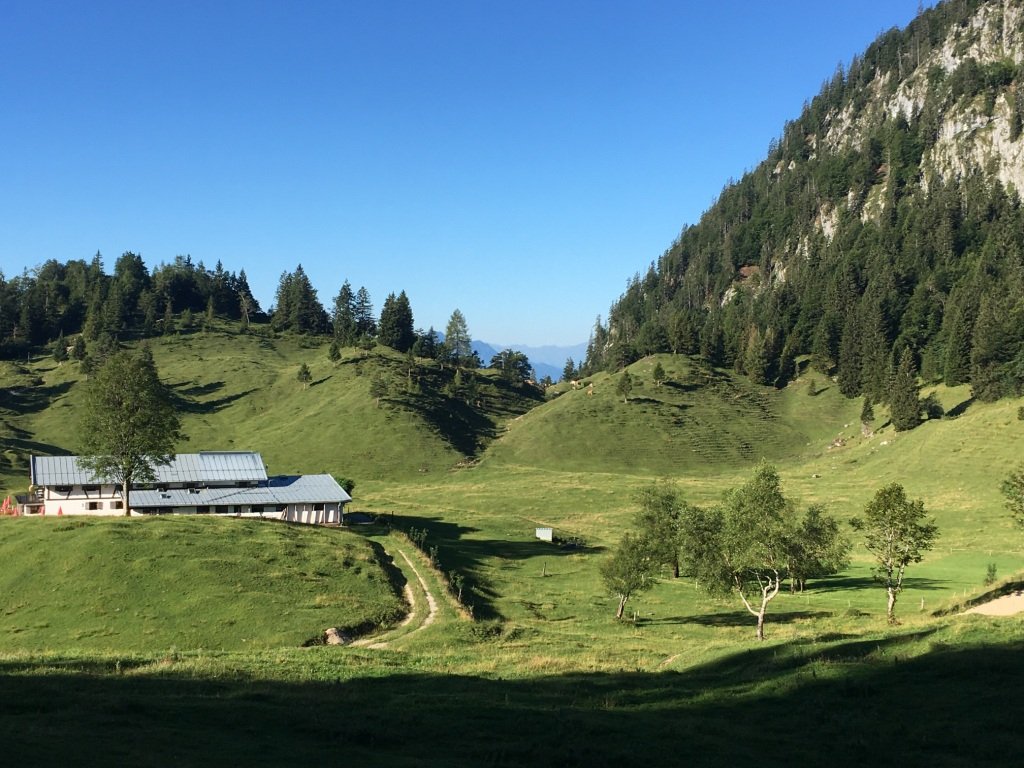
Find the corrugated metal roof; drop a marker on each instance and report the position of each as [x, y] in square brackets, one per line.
[204, 467]
[59, 470]
[305, 489]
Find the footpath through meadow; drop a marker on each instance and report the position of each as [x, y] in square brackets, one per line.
[421, 588]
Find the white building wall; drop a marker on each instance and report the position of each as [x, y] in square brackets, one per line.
[78, 501]
[313, 514]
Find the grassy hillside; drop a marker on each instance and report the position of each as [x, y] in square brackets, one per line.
[240, 392]
[185, 583]
[698, 418]
[544, 675]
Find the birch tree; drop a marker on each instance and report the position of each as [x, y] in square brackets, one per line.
[896, 533]
[743, 547]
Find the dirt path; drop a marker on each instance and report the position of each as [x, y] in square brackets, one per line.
[413, 593]
[1007, 605]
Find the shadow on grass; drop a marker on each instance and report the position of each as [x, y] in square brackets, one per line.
[32, 399]
[767, 706]
[184, 397]
[842, 583]
[739, 618]
[469, 556]
[960, 408]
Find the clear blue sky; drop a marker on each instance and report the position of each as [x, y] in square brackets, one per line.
[518, 159]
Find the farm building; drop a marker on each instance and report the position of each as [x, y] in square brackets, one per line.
[211, 482]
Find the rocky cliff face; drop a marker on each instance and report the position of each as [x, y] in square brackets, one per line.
[974, 133]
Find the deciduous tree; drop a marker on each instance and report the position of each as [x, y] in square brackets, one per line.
[624, 386]
[128, 424]
[745, 545]
[1013, 490]
[897, 533]
[658, 523]
[818, 548]
[513, 366]
[629, 571]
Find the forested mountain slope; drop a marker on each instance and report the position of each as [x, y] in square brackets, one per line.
[886, 218]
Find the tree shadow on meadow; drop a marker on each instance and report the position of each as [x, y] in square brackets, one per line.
[185, 397]
[32, 399]
[738, 618]
[471, 557]
[771, 705]
[843, 583]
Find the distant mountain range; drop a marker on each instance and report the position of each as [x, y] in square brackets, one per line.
[548, 360]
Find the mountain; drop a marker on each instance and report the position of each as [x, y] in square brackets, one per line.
[886, 217]
[546, 360]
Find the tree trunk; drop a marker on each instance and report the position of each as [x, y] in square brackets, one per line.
[125, 493]
[760, 624]
[622, 606]
[890, 609]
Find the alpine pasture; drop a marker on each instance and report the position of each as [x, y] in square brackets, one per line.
[182, 640]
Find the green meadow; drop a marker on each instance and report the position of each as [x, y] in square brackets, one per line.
[181, 641]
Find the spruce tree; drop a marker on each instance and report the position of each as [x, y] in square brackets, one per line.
[395, 328]
[457, 340]
[904, 397]
[344, 316]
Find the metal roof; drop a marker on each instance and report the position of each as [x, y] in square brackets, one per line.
[203, 467]
[304, 489]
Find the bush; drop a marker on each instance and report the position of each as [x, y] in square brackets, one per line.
[990, 575]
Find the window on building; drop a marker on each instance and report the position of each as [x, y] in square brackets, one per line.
[117, 505]
[63, 489]
[202, 510]
[318, 507]
[91, 488]
[94, 506]
[257, 508]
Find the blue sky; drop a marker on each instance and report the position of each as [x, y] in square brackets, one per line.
[518, 160]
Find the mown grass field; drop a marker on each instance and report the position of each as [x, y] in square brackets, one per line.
[175, 582]
[543, 675]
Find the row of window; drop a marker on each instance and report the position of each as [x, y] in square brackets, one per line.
[96, 506]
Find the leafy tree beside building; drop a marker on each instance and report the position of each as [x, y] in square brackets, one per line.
[128, 424]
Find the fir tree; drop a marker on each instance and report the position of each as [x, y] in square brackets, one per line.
[904, 397]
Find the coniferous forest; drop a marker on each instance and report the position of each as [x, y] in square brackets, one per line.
[856, 239]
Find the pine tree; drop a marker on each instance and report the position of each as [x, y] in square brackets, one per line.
[904, 394]
[395, 329]
[658, 374]
[457, 340]
[850, 363]
[362, 311]
[867, 411]
[344, 316]
[569, 371]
